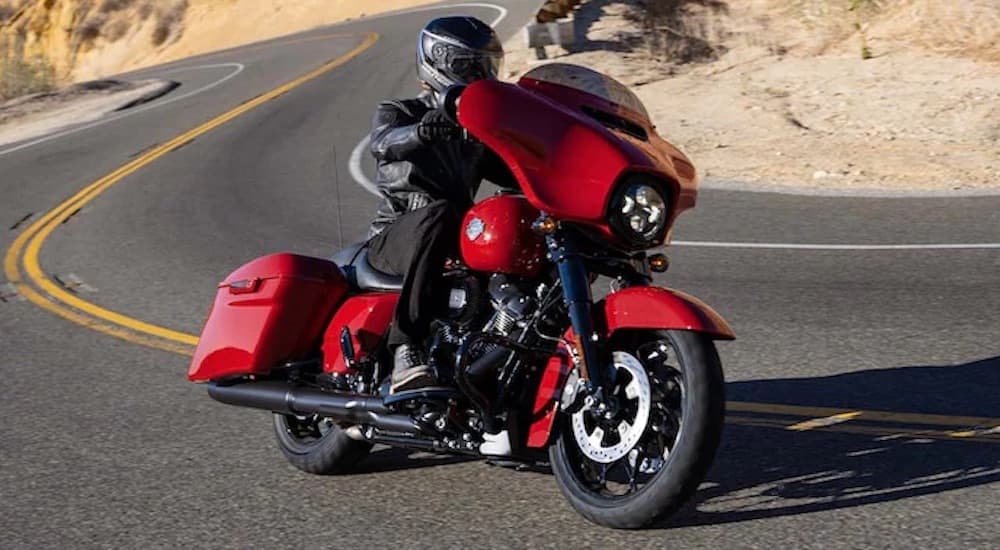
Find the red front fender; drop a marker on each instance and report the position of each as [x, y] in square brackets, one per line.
[642, 307]
[651, 307]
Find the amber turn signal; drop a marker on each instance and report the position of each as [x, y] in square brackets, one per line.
[544, 226]
[658, 263]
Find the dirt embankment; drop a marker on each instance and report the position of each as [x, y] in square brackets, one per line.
[890, 94]
[78, 40]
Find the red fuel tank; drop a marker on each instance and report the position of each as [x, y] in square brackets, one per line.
[271, 310]
[497, 237]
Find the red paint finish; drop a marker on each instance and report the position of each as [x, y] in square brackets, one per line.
[271, 310]
[547, 399]
[497, 237]
[367, 317]
[568, 164]
[659, 308]
[668, 159]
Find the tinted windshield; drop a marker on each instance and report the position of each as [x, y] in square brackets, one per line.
[591, 82]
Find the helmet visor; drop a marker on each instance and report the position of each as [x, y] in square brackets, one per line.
[467, 67]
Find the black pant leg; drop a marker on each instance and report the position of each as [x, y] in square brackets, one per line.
[416, 246]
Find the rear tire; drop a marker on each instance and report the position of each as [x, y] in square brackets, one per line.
[588, 484]
[317, 445]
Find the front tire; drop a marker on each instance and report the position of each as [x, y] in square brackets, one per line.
[685, 410]
[317, 445]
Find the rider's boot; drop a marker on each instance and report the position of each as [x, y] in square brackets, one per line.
[410, 370]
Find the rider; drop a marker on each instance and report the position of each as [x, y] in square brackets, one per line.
[428, 175]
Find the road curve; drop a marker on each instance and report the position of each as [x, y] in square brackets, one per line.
[105, 444]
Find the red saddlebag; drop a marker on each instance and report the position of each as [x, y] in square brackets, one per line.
[269, 311]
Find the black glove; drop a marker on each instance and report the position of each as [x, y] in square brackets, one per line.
[436, 126]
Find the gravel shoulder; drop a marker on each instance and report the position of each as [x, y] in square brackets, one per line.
[784, 110]
[32, 116]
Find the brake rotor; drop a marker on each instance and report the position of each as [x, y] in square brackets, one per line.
[593, 440]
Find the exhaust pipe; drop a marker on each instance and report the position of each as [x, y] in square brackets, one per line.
[279, 397]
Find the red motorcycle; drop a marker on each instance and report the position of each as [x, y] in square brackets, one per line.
[623, 397]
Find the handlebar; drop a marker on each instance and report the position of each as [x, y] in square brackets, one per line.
[450, 102]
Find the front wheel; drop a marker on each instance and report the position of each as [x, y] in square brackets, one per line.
[639, 460]
[317, 445]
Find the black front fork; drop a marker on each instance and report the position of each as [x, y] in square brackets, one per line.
[579, 301]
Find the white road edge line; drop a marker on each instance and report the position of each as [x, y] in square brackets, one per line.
[795, 246]
[238, 68]
[354, 163]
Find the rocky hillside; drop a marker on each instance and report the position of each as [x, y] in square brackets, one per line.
[66, 32]
[72, 40]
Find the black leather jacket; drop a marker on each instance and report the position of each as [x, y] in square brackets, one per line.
[412, 173]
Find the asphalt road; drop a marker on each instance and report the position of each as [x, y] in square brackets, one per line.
[104, 443]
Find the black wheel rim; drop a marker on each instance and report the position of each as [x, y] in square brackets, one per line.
[301, 433]
[629, 475]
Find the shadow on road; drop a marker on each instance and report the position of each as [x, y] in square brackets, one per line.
[394, 459]
[770, 471]
[763, 472]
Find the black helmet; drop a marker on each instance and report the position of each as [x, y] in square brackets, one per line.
[457, 50]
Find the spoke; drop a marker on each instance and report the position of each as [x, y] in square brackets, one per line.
[633, 389]
[597, 437]
[623, 429]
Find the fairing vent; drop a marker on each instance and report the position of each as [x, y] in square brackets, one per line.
[615, 122]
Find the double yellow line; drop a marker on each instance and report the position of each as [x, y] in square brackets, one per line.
[52, 297]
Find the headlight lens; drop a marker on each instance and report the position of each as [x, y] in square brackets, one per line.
[641, 212]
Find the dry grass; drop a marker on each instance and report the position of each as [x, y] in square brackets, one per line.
[685, 31]
[967, 28]
[98, 23]
[112, 19]
[682, 31]
[169, 21]
[20, 77]
[6, 12]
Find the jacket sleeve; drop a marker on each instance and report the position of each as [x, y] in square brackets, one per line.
[394, 133]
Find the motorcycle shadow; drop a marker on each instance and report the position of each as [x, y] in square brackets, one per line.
[767, 470]
[393, 459]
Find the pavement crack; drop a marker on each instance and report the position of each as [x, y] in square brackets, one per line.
[182, 145]
[21, 221]
[71, 215]
[143, 151]
[73, 283]
[9, 293]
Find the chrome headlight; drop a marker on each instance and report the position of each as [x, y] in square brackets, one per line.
[639, 212]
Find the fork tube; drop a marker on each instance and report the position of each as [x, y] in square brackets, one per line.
[579, 302]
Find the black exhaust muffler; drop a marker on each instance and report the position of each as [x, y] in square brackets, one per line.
[279, 397]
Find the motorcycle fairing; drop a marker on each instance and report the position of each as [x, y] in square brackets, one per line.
[566, 161]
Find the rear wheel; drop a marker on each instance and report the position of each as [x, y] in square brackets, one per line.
[642, 458]
[317, 445]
